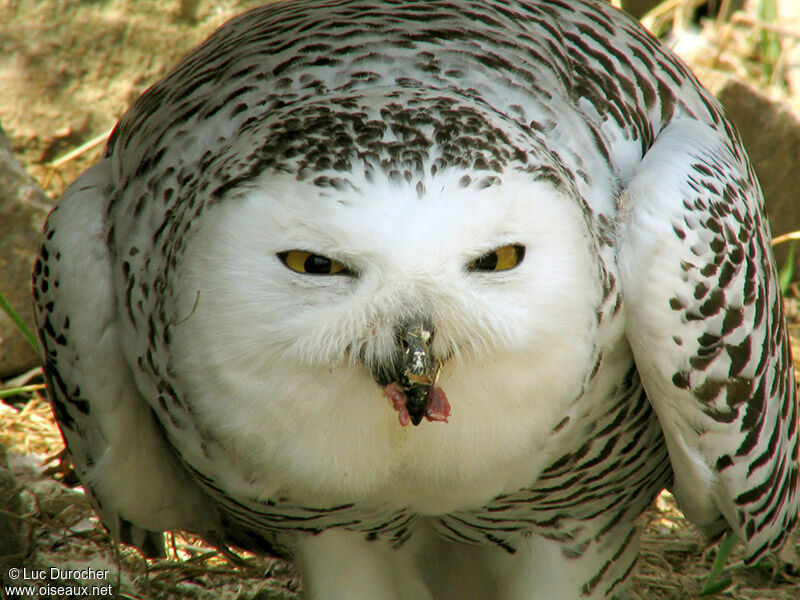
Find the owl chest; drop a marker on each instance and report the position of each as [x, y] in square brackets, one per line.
[612, 470]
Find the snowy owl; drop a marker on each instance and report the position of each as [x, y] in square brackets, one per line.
[430, 297]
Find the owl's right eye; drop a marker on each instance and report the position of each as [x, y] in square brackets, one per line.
[499, 259]
[308, 263]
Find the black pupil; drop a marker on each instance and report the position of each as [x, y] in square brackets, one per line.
[487, 262]
[317, 265]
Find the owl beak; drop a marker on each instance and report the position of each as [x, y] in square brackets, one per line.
[413, 393]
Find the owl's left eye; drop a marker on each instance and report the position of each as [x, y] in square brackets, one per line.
[499, 259]
[309, 263]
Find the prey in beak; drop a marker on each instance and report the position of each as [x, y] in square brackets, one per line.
[414, 393]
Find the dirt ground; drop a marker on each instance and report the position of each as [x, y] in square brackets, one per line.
[68, 70]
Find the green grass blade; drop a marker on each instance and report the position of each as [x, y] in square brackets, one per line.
[25, 389]
[716, 587]
[769, 44]
[714, 584]
[786, 275]
[19, 323]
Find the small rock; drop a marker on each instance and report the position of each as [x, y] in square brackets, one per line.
[13, 529]
[638, 8]
[23, 209]
[770, 130]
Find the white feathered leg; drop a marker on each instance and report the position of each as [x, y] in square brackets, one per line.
[342, 565]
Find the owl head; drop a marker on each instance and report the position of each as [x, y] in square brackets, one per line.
[421, 249]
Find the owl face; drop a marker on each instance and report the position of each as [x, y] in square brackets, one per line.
[330, 279]
[269, 339]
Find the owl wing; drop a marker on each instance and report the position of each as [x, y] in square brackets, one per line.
[131, 476]
[705, 322]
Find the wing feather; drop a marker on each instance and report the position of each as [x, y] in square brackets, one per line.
[705, 321]
[131, 475]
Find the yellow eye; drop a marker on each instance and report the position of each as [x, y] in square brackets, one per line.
[500, 259]
[303, 261]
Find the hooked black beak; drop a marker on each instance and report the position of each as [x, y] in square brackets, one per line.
[418, 371]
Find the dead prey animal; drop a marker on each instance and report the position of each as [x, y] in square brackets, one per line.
[415, 394]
